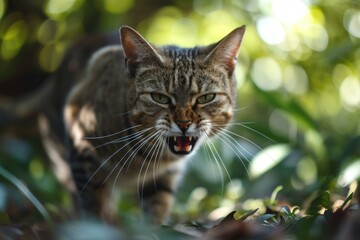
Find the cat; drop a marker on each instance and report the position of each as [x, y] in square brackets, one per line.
[136, 112]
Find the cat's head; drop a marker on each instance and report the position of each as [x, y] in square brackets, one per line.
[187, 94]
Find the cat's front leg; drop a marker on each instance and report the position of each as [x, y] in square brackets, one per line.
[93, 198]
[158, 196]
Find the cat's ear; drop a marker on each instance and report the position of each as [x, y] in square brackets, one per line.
[225, 52]
[136, 49]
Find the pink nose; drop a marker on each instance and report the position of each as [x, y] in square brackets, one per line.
[183, 124]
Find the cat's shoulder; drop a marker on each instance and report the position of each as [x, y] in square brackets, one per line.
[106, 55]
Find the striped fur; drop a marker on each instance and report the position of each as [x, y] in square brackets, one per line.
[140, 111]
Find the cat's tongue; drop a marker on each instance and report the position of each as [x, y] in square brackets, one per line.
[182, 144]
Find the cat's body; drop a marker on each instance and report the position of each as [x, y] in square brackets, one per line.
[137, 112]
[98, 107]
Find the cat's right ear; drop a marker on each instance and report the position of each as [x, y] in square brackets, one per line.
[224, 53]
[136, 49]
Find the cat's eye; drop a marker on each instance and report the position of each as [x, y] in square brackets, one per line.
[205, 98]
[160, 98]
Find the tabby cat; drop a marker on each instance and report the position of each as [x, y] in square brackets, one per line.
[133, 115]
[139, 111]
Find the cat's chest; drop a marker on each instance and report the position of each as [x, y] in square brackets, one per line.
[137, 171]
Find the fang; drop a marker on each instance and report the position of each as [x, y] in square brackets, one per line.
[176, 148]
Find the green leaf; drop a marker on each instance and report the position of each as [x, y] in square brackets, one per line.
[274, 194]
[286, 210]
[265, 217]
[325, 200]
[244, 216]
[295, 210]
[348, 199]
[291, 106]
[4, 218]
[322, 200]
[268, 158]
[11, 178]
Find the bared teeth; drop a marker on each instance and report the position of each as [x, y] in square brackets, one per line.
[188, 149]
[184, 145]
[177, 149]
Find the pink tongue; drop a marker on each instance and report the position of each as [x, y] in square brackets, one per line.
[183, 143]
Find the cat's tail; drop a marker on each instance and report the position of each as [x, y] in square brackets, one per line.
[40, 104]
[15, 110]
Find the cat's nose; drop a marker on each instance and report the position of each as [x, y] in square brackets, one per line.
[183, 124]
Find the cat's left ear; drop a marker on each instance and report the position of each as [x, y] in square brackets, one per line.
[225, 52]
[136, 49]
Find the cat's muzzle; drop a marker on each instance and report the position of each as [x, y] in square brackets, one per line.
[182, 144]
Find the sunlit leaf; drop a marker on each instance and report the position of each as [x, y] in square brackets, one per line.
[265, 217]
[23, 189]
[321, 200]
[274, 194]
[286, 210]
[347, 200]
[268, 158]
[243, 217]
[291, 106]
[325, 200]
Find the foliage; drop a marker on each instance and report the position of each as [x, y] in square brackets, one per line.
[297, 123]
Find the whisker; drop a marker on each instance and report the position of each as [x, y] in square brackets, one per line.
[227, 142]
[130, 157]
[227, 135]
[154, 146]
[153, 150]
[244, 138]
[112, 134]
[249, 141]
[125, 138]
[242, 108]
[249, 128]
[160, 153]
[122, 114]
[106, 161]
[219, 161]
[206, 150]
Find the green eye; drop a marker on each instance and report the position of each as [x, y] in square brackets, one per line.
[205, 98]
[160, 98]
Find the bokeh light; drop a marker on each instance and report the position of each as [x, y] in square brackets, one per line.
[352, 22]
[288, 12]
[350, 174]
[267, 159]
[298, 82]
[315, 37]
[54, 8]
[204, 7]
[118, 7]
[2, 8]
[266, 73]
[350, 92]
[279, 123]
[13, 39]
[51, 55]
[271, 30]
[306, 170]
[49, 31]
[295, 79]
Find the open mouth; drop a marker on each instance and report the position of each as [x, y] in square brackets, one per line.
[182, 144]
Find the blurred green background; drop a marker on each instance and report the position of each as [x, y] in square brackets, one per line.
[298, 116]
